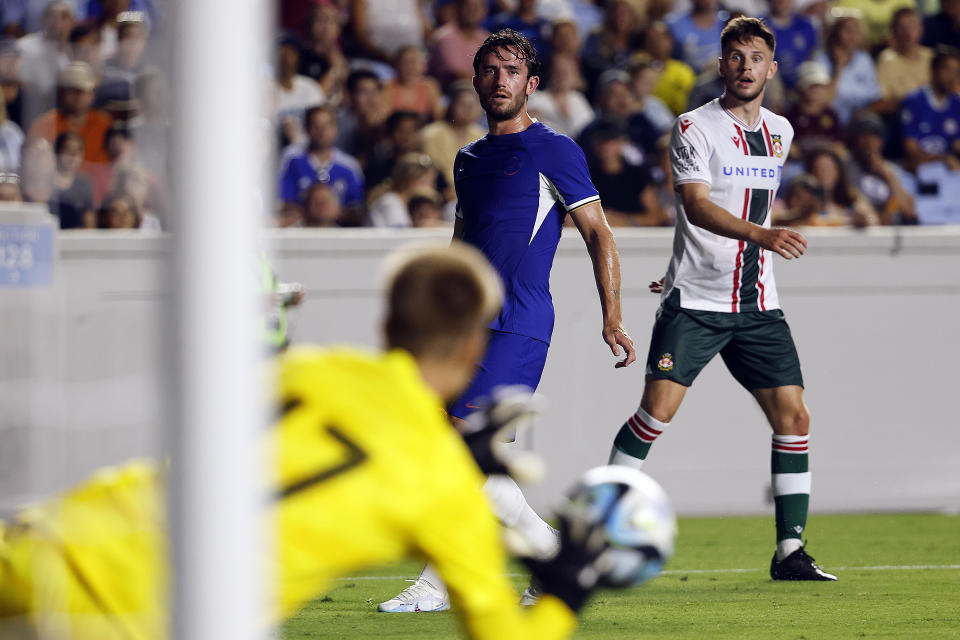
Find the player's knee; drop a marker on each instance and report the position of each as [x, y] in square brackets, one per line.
[659, 410]
[795, 422]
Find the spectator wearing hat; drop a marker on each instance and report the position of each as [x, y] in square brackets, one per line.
[74, 113]
[562, 105]
[10, 187]
[292, 93]
[943, 28]
[875, 177]
[121, 70]
[627, 191]
[814, 120]
[931, 116]
[676, 78]
[797, 38]
[904, 66]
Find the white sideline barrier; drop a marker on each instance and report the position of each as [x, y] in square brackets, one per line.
[874, 316]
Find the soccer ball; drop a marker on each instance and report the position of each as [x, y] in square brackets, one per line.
[638, 521]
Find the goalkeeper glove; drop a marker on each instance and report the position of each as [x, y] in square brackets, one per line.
[495, 424]
[574, 572]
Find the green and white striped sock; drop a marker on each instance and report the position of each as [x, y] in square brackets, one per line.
[634, 439]
[791, 490]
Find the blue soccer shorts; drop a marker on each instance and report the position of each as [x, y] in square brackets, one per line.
[510, 359]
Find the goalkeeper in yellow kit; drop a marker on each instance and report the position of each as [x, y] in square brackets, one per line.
[367, 471]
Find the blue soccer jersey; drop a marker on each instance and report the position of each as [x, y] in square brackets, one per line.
[933, 124]
[514, 191]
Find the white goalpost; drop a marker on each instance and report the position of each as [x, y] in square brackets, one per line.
[219, 547]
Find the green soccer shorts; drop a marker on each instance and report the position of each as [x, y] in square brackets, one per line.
[756, 346]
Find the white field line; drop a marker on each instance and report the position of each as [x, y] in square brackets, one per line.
[678, 572]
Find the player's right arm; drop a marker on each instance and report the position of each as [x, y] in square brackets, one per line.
[702, 212]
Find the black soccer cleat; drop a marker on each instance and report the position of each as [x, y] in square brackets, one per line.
[798, 566]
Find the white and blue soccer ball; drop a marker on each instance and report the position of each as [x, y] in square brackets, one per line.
[639, 523]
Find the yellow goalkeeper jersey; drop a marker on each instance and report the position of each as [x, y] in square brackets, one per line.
[367, 471]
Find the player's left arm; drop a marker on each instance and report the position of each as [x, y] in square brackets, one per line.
[596, 233]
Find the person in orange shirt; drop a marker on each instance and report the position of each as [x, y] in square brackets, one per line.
[73, 113]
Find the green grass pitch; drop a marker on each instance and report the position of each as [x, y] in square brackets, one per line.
[899, 578]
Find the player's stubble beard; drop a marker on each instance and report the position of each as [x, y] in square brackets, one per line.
[504, 112]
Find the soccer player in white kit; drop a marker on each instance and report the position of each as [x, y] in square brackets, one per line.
[719, 295]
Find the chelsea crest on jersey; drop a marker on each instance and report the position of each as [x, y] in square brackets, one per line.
[742, 165]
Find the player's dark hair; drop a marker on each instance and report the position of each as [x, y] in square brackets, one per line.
[744, 29]
[438, 298]
[512, 41]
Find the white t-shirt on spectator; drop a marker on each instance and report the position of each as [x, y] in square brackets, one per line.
[389, 210]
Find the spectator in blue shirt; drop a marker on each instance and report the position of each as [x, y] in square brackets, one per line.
[321, 161]
[697, 34]
[931, 116]
[525, 21]
[796, 39]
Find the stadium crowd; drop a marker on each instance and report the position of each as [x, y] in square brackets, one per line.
[371, 99]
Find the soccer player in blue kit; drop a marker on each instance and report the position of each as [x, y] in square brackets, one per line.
[515, 187]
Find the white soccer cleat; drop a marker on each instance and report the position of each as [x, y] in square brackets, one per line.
[420, 596]
[531, 594]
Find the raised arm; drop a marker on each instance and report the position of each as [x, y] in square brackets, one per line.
[703, 213]
[602, 248]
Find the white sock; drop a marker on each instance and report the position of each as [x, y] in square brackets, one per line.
[625, 459]
[787, 546]
[430, 575]
[513, 511]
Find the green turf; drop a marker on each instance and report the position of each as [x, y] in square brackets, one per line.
[899, 578]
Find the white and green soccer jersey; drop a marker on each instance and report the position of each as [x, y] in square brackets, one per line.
[742, 165]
